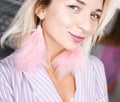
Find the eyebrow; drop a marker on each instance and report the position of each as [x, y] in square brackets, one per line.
[83, 3]
[99, 10]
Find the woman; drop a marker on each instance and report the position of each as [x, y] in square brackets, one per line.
[52, 62]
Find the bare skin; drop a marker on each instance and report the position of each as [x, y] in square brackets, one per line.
[65, 87]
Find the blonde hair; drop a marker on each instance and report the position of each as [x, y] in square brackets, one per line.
[109, 8]
[113, 36]
[25, 20]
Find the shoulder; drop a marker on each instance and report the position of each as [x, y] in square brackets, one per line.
[10, 79]
[6, 69]
[95, 62]
[6, 73]
[100, 77]
[97, 66]
[6, 64]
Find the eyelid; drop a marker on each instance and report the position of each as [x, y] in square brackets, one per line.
[98, 16]
[74, 5]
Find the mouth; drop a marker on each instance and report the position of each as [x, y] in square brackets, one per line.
[76, 38]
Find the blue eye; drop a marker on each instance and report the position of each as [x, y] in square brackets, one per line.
[74, 7]
[95, 16]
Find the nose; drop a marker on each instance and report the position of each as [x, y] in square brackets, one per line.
[84, 23]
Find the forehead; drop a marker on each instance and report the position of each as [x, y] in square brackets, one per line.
[89, 3]
[94, 4]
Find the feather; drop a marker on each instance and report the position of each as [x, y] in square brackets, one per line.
[69, 61]
[31, 52]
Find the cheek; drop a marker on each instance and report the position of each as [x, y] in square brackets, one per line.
[94, 27]
[59, 19]
[59, 16]
[66, 19]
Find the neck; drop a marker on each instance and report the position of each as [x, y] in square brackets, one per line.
[53, 48]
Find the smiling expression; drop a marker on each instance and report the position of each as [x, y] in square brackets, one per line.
[68, 22]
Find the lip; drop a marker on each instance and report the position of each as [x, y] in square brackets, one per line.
[76, 38]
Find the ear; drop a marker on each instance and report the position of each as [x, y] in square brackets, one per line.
[40, 12]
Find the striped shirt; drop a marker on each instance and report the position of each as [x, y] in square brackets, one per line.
[19, 86]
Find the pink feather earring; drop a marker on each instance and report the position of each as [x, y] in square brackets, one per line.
[32, 52]
[69, 62]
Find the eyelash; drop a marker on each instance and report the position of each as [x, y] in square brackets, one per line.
[98, 16]
[74, 7]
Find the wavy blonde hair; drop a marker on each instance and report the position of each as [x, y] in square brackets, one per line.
[26, 19]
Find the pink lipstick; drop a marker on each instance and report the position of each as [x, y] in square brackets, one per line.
[77, 38]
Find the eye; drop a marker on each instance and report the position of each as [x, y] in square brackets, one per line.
[74, 7]
[95, 16]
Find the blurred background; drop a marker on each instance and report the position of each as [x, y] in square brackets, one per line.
[107, 49]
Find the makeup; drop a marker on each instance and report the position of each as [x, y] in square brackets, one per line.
[76, 38]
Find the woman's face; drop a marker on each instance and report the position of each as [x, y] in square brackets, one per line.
[69, 22]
